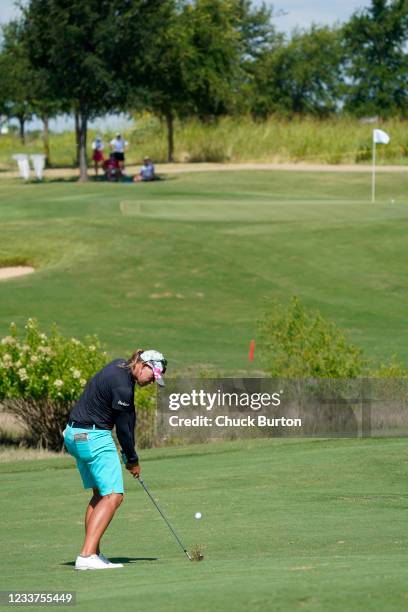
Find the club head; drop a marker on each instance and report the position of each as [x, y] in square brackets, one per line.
[196, 554]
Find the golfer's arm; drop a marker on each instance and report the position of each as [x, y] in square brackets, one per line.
[125, 431]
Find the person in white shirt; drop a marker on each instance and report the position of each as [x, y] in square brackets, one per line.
[118, 147]
[97, 153]
[147, 171]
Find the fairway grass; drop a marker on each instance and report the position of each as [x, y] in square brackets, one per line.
[186, 264]
[287, 525]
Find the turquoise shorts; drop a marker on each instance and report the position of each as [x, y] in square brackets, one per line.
[96, 457]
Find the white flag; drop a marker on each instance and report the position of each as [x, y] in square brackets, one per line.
[380, 137]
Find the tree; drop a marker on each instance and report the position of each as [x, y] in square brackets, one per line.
[16, 77]
[46, 106]
[86, 52]
[258, 38]
[375, 45]
[24, 88]
[197, 65]
[300, 76]
[189, 69]
[257, 32]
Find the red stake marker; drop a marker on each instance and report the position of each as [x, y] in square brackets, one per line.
[251, 350]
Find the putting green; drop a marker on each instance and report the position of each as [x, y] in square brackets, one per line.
[263, 211]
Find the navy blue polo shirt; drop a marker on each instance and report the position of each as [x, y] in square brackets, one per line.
[107, 401]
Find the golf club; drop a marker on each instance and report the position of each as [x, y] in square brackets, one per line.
[164, 517]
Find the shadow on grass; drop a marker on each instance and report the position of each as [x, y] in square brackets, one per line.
[91, 179]
[128, 560]
[95, 179]
[60, 179]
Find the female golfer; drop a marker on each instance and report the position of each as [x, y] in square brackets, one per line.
[107, 401]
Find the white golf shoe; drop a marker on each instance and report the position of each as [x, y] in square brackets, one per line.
[93, 562]
[106, 560]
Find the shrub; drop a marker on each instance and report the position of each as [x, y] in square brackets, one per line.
[42, 376]
[145, 402]
[300, 343]
[390, 369]
[364, 152]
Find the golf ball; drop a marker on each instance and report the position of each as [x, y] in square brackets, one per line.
[197, 515]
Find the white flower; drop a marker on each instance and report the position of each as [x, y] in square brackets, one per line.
[45, 377]
[75, 373]
[9, 340]
[82, 382]
[45, 349]
[43, 336]
[25, 348]
[75, 341]
[18, 363]
[58, 383]
[34, 359]
[92, 347]
[23, 374]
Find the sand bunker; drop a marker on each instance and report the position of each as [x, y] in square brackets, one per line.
[14, 271]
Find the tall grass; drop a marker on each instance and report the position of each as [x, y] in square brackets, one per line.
[11, 430]
[238, 139]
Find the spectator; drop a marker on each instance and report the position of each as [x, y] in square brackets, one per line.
[97, 153]
[147, 172]
[118, 147]
[111, 169]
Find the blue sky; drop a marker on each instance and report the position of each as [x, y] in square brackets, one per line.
[300, 13]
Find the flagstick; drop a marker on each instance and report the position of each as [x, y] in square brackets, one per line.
[373, 177]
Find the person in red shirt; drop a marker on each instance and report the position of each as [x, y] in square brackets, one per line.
[97, 153]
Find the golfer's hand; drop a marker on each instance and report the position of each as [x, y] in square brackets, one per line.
[134, 470]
